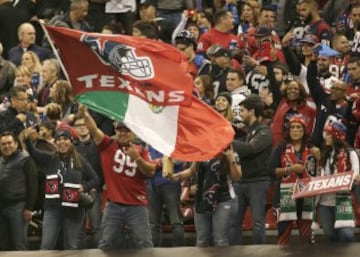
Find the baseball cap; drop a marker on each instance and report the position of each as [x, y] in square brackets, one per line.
[310, 39]
[221, 52]
[327, 51]
[262, 32]
[119, 125]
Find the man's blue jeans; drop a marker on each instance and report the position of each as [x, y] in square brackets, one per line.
[69, 220]
[253, 194]
[168, 195]
[136, 220]
[13, 229]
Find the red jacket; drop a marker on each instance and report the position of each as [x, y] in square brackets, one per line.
[308, 110]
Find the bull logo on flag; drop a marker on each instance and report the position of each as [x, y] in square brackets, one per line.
[121, 57]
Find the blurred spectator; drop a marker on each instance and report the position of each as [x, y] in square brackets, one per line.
[112, 28]
[286, 16]
[336, 157]
[145, 29]
[252, 190]
[31, 60]
[294, 101]
[249, 16]
[171, 10]
[327, 106]
[27, 36]
[205, 20]
[147, 12]
[215, 199]
[96, 15]
[87, 147]
[74, 18]
[163, 192]
[333, 9]
[185, 42]
[352, 27]
[309, 12]
[125, 185]
[18, 192]
[221, 33]
[67, 175]
[49, 75]
[7, 74]
[124, 11]
[187, 22]
[23, 79]
[29, 6]
[10, 20]
[17, 117]
[219, 67]
[43, 7]
[62, 93]
[205, 89]
[292, 159]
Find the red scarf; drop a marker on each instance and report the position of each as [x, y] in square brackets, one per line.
[288, 158]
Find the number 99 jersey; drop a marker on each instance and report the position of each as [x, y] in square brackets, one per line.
[125, 183]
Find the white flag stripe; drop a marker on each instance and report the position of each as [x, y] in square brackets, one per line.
[164, 120]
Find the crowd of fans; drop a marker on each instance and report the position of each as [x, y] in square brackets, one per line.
[285, 74]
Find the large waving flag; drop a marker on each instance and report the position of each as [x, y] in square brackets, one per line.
[153, 71]
[187, 133]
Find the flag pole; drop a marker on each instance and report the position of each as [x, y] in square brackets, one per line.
[53, 48]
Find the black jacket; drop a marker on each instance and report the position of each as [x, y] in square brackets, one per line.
[9, 122]
[254, 153]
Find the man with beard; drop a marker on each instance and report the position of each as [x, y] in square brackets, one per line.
[252, 189]
[309, 12]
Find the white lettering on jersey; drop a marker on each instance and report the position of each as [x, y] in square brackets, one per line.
[124, 164]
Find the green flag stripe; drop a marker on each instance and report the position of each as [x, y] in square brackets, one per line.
[113, 104]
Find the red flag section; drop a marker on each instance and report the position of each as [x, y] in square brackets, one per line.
[153, 71]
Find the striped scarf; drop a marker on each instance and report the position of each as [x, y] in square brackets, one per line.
[288, 209]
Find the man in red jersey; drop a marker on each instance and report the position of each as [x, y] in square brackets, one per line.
[125, 167]
[220, 33]
[309, 12]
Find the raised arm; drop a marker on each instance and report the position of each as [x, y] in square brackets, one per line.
[95, 132]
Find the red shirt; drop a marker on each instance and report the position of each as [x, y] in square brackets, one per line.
[124, 181]
[214, 36]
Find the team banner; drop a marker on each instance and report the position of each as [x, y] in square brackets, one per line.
[312, 186]
[151, 70]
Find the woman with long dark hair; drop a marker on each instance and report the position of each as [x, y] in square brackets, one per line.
[67, 176]
[292, 159]
[215, 197]
[335, 211]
